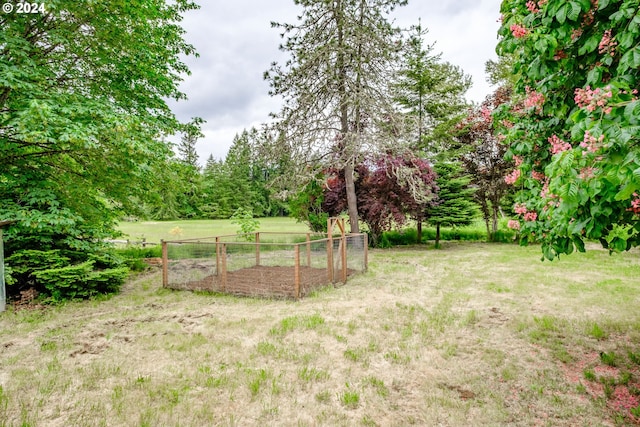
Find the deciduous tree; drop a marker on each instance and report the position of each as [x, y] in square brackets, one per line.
[83, 90]
[390, 190]
[576, 135]
[483, 155]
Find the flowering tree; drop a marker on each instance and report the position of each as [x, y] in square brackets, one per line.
[484, 158]
[575, 136]
[390, 189]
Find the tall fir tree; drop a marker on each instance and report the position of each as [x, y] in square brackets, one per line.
[335, 86]
[454, 205]
[431, 94]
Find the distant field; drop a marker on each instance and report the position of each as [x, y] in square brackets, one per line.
[154, 231]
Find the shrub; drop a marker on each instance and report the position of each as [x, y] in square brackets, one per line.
[80, 280]
[65, 274]
[409, 236]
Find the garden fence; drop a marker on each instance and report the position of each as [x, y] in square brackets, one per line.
[289, 265]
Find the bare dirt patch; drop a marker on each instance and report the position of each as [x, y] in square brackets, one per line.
[261, 281]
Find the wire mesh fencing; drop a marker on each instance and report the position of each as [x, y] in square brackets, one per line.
[279, 265]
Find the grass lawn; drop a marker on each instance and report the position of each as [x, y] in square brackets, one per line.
[154, 231]
[474, 334]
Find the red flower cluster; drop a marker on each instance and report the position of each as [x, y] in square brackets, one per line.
[520, 208]
[518, 31]
[558, 145]
[513, 224]
[590, 142]
[635, 204]
[607, 44]
[534, 100]
[512, 177]
[534, 7]
[592, 99]
[537, 175]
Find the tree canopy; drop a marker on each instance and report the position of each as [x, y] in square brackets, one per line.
[83, 89]
[83, 113]
[575, 135]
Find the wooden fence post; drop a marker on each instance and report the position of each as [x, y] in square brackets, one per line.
[223, 255]
[218, 256]
[165, 264]
[330, 250]
[366, 252]
[296, 270]
[343, 255]
[257, 248]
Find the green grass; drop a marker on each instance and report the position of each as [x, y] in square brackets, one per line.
[154, 231]
[472, 334]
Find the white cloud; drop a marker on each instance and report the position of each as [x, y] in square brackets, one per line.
[237, 44]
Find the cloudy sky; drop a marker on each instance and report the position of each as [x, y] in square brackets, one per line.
[237, 44]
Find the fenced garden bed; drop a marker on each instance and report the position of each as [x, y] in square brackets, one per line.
[281, 265]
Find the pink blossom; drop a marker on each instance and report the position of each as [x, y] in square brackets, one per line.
[593, 99]
[591, 143]
[530, 216]
[607, 44]
[520, 208]
[485, 113]
[507, 124]
[544, 193]
[518, 31]
[537, 175]
[513, 224]
[517, 160]
[635, 204]
[512, 177]
[534, 7]
[575, 34]
[534, 100]
[588, 172]
[558, 145]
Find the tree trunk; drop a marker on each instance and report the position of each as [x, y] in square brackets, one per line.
[419, 237]
[438, 236]
[352, 202]
[495, 223]
[348, 158]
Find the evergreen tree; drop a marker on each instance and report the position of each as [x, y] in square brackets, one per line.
[335, 86]
[431, 93]
[454, 205]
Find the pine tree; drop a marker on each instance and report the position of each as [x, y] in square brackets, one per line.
[430, 93]
[454, 205]
[335, 86]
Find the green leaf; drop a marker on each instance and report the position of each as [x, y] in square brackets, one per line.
[631, 59]
[577, 227]
[632, 112]
[590, 44]
[626, 192]
[574, 11]
[561, 15]
[595, 75]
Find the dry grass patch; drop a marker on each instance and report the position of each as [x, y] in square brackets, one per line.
[473, 334]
